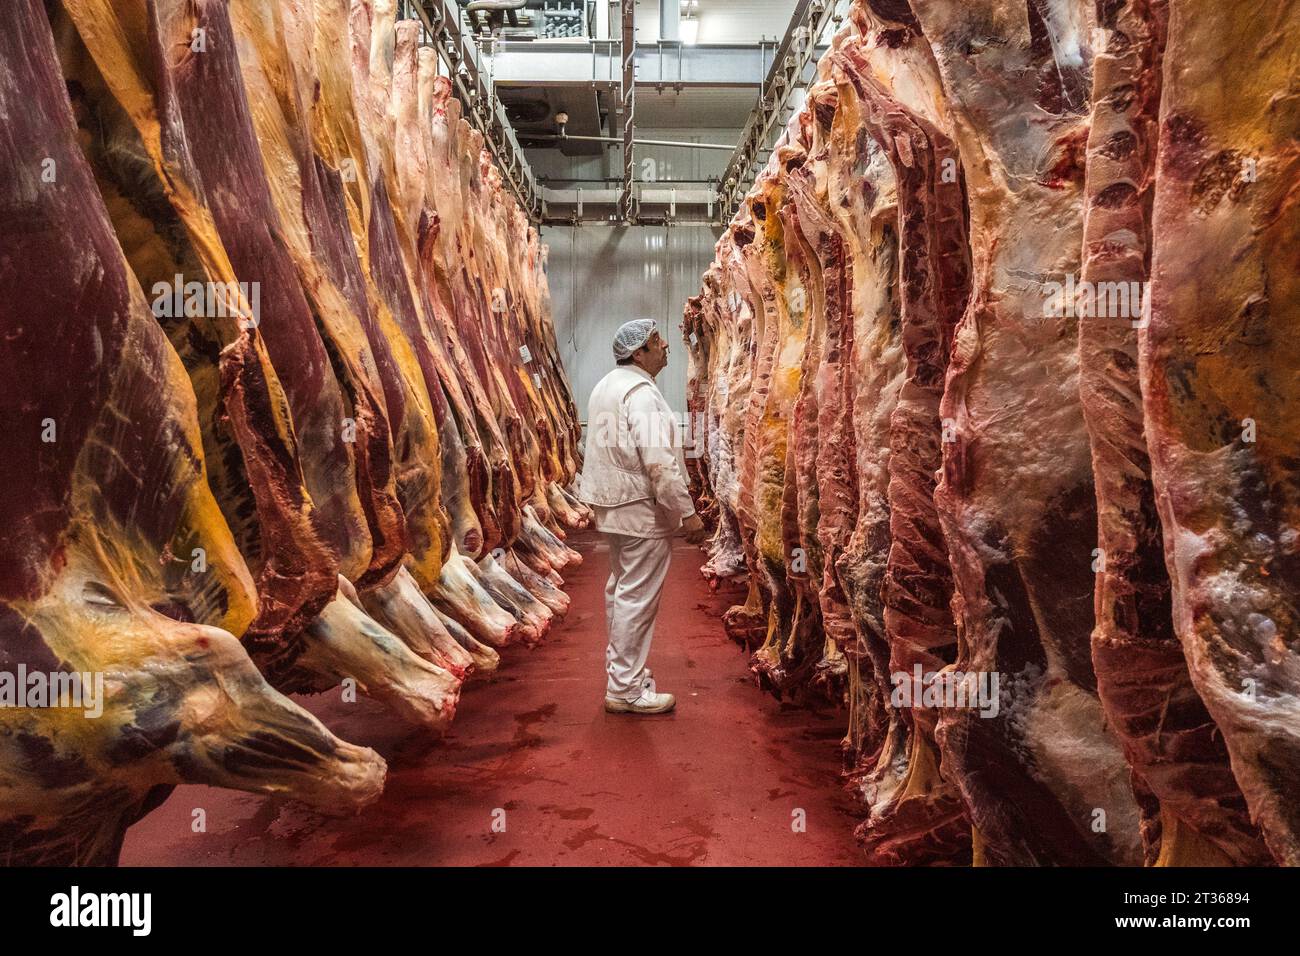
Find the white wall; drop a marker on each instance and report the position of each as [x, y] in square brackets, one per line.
[602, 276]
[724, 21]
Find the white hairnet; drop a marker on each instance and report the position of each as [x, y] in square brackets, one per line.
[631, 336]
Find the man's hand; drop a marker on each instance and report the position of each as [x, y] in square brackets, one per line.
[693, 529]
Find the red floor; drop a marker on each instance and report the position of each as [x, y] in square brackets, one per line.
[716, 783]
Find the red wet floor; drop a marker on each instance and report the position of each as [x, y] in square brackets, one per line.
[719, 782]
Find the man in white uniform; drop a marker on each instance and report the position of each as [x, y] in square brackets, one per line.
[632, 481]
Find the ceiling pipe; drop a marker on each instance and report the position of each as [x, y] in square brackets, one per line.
[562, 120]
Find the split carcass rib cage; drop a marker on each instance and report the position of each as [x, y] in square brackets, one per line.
[285, 405]
[1000, 426]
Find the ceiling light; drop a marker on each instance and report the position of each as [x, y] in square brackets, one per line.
[690, 31]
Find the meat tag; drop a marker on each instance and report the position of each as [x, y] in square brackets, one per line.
[694, 339]
[524, 355]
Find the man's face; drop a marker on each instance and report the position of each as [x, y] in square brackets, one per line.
[653, 356]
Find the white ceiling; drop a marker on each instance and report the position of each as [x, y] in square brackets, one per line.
[694, 109]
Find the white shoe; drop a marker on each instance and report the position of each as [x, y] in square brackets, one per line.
[649, 702]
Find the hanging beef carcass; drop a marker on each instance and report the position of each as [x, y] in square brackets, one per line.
[986, 352]
[843, 223]
[175, 143]
[452, 188]
[782, 296]
[916, 816]
[723, 339]
[461, 590]
[1220, 391]
[699, 385]
[366, 266]
[806, 645]
[323, 231]
[871, 377]
[1193, 811]
[491, 455]
[394, 70]
[735, 305]
[781, 338]
[281, 84]
[748, 623]
[1044, 779]
[389, 252]
[862, 196]
[115, 561]
[242, 409]
[390, 243]
[507, 355]
[828, 458]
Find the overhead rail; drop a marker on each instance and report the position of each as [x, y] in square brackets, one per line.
[597, 204]
[472, 83]
[663, 64]
[789, 72]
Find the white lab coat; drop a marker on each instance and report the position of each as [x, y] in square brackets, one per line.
[631, 479]
[630, 475]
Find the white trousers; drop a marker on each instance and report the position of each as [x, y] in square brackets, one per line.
[637, 568]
